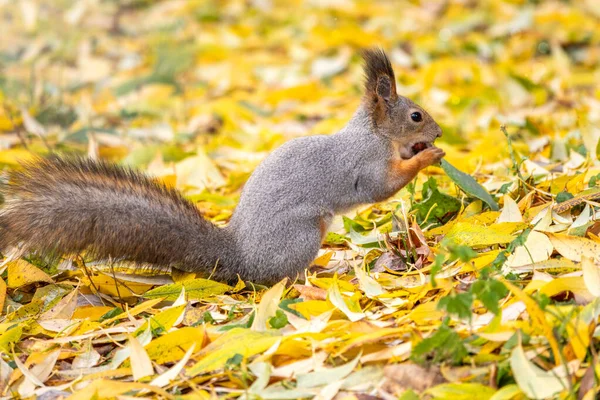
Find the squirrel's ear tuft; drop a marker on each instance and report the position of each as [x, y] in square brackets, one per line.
[379, 75]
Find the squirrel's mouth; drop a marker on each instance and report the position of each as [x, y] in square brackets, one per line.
[419, 147]
[410, 150]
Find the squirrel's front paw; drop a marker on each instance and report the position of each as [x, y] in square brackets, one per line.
[431, 155]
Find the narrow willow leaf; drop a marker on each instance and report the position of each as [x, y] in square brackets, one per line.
[141, 366]
[469, 185]
[196, 289]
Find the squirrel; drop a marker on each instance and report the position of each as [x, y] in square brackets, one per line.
[67, 206]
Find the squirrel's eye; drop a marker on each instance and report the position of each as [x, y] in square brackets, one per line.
[416, 116]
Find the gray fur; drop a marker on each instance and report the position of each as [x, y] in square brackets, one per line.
[70, 206]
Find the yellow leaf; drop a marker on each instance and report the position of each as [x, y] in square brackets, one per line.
[468, 234]
[172, 346]
[269, 304]
[537, 248]
[591, 275]
[134, 311]
[368, 285]
[165, 319]
[371, 337]
[461, 391]
[27, 311]
[485, 218]
[182, 276]
[574, 247]
[538, 318]
[2, 294]
[326, 283]
[300, 93]
[239, 285]
[312, 308]
[198, 172]
[510, 211]
[63, 309]
[141, 366]
[9, 337]
[195, 289]
[323, 260]
[574, 284]
[579, 338]
[533, 381]
[108, 389]
[93, 313]
[108, 285]
[21, 273]
[507, 392]
[236, 341]
[14, 156]
[172, 373]
[336, 298]
[426, 312]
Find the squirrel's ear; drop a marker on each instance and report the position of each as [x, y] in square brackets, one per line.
[379, 75]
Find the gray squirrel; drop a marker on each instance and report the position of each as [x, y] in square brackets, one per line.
[67, 206]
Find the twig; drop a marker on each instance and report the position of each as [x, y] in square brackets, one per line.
[112, 269]
[16, 128]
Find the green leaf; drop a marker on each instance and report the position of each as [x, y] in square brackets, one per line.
[457, 304]
[333, 238]
[436, 207]
[409, 395]
[285, 306]
[196, 289]
[234, 361]
[563, 196]
[8, 338]
[110, 314]
[489, 292]
[443, 345]
[279, 320]
[469, 185]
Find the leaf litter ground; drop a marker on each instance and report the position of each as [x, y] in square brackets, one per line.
[479, 280]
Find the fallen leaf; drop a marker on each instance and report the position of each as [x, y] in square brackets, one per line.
[533, 381]
[141, 366]
[268, 307]
[236, 341]
[21, 273]
[197, 289]
[574, 248]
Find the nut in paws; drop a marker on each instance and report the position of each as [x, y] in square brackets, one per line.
[430, 156]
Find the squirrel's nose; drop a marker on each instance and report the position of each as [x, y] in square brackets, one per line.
[439, 134]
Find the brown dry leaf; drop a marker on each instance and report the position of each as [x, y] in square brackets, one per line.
[401, 377]
[311, 292]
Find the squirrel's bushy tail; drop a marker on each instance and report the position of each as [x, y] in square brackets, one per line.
[69, 206]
